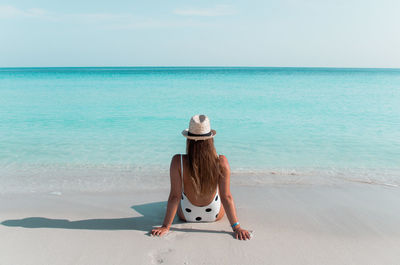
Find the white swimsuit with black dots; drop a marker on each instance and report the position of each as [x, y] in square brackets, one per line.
[194, 213]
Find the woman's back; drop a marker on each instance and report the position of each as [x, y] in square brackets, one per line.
[201, 199]
[197, 207]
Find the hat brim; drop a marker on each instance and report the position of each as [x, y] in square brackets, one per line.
[186, 134]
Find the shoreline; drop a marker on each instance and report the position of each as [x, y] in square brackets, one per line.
[348, 223]
[124, 179]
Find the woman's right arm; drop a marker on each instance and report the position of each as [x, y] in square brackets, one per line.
[227, 199]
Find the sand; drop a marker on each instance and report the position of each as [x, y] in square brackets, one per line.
[344, 223]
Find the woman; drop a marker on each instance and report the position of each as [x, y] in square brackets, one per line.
[200, 181]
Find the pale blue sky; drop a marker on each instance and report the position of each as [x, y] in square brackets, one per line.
[310, 33]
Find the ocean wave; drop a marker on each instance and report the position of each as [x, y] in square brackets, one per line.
[125, 177]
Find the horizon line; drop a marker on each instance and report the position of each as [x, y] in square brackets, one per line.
[184, 66]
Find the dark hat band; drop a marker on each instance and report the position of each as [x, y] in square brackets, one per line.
[193, 134]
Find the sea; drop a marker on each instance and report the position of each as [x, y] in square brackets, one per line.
[96, 129]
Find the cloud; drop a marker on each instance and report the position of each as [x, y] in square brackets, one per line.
[99, 17]
[110, 21]
[11, 12]
[218, 10]
[8, 11]
[155, 24]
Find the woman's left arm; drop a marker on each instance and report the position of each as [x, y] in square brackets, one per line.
[173, 199]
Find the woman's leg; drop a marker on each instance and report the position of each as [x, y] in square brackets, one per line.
[221, 213]
[180, 213]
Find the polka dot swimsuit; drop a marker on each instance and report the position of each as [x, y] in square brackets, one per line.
[194, 213]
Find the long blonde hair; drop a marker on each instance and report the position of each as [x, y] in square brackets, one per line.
[204, 168]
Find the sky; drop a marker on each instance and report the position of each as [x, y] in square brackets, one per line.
[281, 33]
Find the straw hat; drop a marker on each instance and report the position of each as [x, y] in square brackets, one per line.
[199, 128]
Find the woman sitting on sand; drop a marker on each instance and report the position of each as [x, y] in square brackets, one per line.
[196, 179]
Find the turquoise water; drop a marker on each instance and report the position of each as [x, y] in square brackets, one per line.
[267, 119]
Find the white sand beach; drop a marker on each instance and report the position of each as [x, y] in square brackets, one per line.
[345, 223]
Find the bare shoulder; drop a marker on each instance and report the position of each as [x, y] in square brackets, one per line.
[175, 177]
[175, 162]
[176, 158]
[224, 164]
[223, 160]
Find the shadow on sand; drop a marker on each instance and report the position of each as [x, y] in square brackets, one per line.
[152, 215]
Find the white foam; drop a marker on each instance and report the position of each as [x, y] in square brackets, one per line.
[56, 179]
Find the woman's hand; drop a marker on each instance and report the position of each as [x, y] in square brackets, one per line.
[159, 231]
[242, 234]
